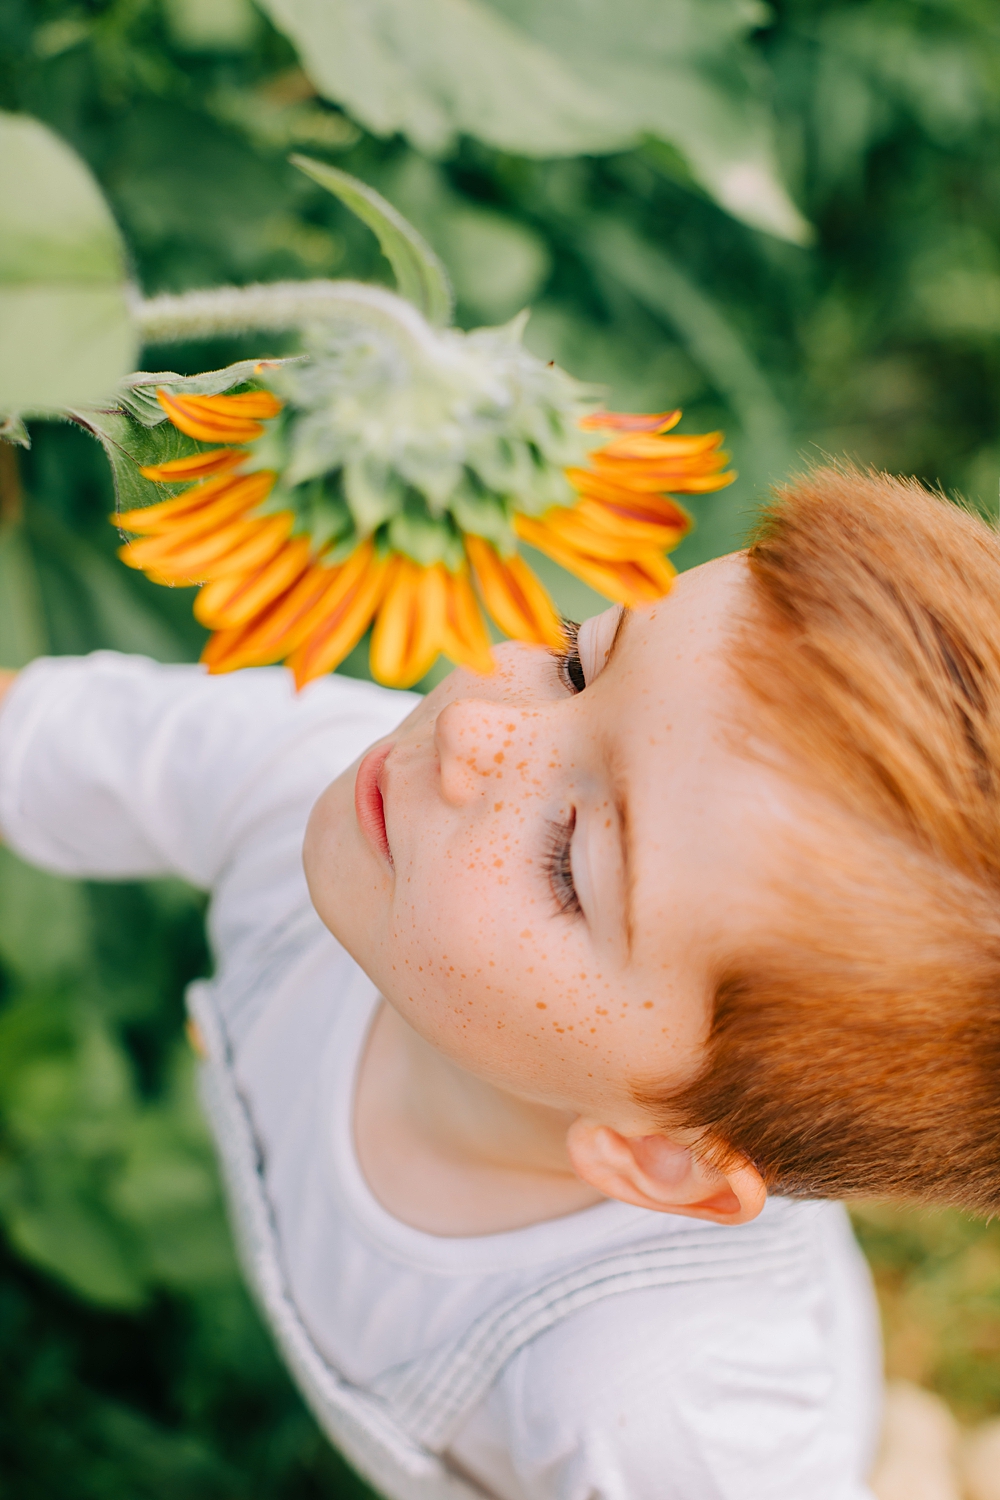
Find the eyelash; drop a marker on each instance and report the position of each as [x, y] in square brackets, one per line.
[568, 663]
[559, 866]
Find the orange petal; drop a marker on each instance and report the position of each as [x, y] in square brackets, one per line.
[647, 446]
[641, 579]
[201, 506]
[605, 535]
[226, 603]
[230, 549]
[328, 642]
[514, 596]
[643, 504]
[275, 630]
[195, 466]
[648, 480]
[406, 640]
[394, 628]
[464, 637]
[220, 419]
[624, 421]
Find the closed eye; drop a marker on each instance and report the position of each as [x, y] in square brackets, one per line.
[559, 866]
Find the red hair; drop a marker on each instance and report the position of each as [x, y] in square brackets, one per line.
[858, 1051]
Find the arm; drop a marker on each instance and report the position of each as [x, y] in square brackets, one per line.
[118, 767]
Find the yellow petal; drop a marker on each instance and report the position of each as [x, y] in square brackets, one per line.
[464, 638]
[514, 596]
[234, 600]
[642, 579]
[644, 505]
[220, 419]
[394, 626]
[277, 628]
[201, 507]
[648, 446]
[623, 421]
[235, 548]
[195, 466]
[617, 540]
[328, 642]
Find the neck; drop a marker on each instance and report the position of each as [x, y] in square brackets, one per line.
[451, 1153]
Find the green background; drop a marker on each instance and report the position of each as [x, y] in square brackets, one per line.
[131, 1362]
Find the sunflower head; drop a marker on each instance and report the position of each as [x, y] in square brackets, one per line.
[389, 478]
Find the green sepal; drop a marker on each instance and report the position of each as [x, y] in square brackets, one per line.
[483, 514]
[423, 539]
[13, 430]
[373, 493]
[420, 276]
[137, 394]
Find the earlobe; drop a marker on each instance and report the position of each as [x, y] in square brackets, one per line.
[663, 1174]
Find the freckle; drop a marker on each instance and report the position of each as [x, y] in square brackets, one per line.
[526, 933]
[647, 1005]
[592, 1030]
[498, 807]
[498, 758]
[540, 1005]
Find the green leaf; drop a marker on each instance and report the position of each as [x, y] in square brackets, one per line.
[22, 624]
[33, 903]
[420, 276]
[59, 1228]
[443, 68]
[129, 444]
[537, 78]
[117, 617]
[66, 335]
[680, 71]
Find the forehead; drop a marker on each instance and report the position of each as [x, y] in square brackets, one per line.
[672, 660]
[704, 819]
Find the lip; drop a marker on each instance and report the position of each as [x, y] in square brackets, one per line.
[369, 806]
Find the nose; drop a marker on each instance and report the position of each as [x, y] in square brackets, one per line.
[474, 740]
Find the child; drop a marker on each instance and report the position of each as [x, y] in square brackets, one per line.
[614, 965]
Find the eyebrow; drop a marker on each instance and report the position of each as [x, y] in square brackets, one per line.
[623, 620]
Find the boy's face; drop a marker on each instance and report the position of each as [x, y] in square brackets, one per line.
[560, 875]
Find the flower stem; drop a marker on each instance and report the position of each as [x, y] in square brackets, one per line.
[278, 305]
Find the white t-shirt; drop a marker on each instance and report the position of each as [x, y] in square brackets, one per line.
[734, 1389]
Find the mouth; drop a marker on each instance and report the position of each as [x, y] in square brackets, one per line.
[368, 804]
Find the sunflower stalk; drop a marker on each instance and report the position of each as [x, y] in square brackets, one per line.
[275, 307]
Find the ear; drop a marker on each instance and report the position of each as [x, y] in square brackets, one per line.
[654, 1171]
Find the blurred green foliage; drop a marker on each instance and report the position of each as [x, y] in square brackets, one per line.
[132, 1363]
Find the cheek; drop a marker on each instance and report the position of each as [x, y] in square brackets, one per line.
[483, 972]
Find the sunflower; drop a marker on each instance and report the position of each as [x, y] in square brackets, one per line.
[274, 589]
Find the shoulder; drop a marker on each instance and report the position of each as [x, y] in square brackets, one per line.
[695, 1391]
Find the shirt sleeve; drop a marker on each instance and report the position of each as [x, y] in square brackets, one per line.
[118, 767]
[666, 1395]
